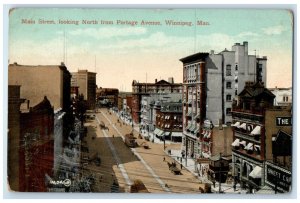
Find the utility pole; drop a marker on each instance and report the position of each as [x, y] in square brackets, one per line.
[220, 160]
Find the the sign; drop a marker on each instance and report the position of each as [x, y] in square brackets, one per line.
[278, 177]
[284, 121]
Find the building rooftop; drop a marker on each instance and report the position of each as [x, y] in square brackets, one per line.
[194, 57]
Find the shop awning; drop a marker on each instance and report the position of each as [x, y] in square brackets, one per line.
[236, 124]
[256, 173]
[243, 143]
[205, 155]
[249, 146]
[243, 126]
[193, 128]
[176, 134]
[236, 143]
[256, 131]
[188, 126]
[160, 134]
[257, 147]
[197, 129]
[156, 131]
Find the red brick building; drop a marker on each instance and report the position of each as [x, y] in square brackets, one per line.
[255, 128]
[169, 121]
[36, 154]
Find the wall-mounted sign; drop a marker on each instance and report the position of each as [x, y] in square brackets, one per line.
[284, 121]
[278, 177]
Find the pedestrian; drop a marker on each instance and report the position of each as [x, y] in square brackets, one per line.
[181, 166]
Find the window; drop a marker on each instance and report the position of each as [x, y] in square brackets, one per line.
[228, 70]
[228, 111]
[235, 92]
[285, 98]
[228, 97]
[228, 85]
[236, 67]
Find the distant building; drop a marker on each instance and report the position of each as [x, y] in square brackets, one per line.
[107, 95]
[86, 83]
[140, 89]
[283, 96]
[169, 121]
[150, 107]
[257, 124]
[210, 83]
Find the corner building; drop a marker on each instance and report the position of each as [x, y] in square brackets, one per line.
[210, 83]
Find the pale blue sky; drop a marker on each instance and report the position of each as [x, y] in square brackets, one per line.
[125, 52]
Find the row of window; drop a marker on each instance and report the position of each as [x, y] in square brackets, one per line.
[228, 69]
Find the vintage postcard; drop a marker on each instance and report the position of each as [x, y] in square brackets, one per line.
[175, 101]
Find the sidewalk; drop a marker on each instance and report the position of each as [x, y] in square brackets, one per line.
[189, 164]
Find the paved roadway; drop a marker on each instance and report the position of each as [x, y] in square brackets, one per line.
[124, 165]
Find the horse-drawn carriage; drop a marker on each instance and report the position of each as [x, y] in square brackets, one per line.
[173, 168]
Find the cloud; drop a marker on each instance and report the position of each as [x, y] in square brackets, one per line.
[104, 33]
[275, 30]
[247, 34]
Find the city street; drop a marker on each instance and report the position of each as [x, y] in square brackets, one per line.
[123, 165]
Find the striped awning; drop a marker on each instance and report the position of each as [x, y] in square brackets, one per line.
[249, 146]
[176, 134]
[160, 134]
[256, 131]
[236, 124]
[256, 172]
[236, 143]
[243, 126]
[243, 143]
[156, 131]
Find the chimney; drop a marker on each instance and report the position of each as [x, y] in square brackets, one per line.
[171, 80]
[245, 43]
[155, 80]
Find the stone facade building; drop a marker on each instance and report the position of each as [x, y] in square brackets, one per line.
[283, 96]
